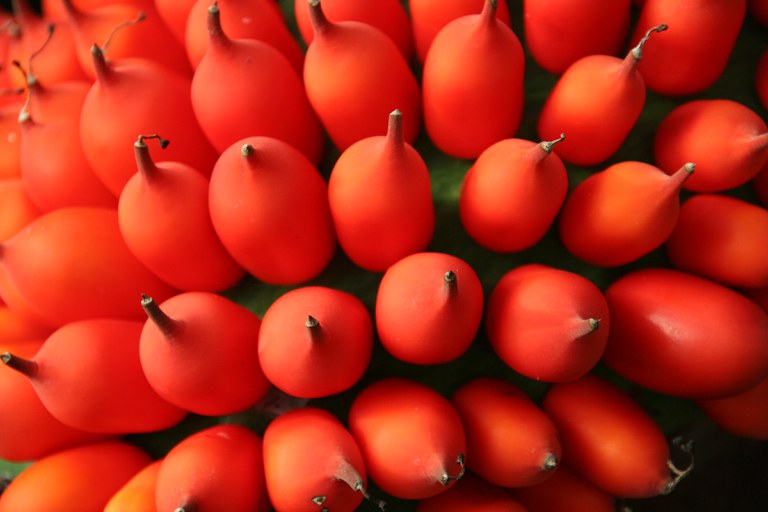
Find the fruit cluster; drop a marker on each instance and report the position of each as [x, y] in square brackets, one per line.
[328, 255]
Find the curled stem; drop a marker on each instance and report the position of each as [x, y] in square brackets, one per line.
[138, 19]
[677, 473]
[446, 478]
[637, 51]
[548, 145]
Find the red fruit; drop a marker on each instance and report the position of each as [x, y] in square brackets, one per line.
[758, 9]
[199, 351]
[269, 207]
[130, 31]
[565, 491]
[546, 323]
[355, 76]
[429, 16]
[609, 439]
[760, 185]
[77, 479]
[411, 437]
[174, 14]
[512, 193]
[217, 468]
[594, 223]
[695, 51]
[88, 375]
[311, 461]
[441, 315]
[722, 238]
[380, 196]
[242, 19]
[10, 139]
[245, 87]
[89, 271]
[667, 332]
[511, 442]
[560, 32]
[472, 84]
[15, 327]
[389, 16]
[471, 493]
[134, 96]
[727, 140]
[61, 175]
[743, 414]
[16, 208]
[138, 493]
[29, 431]
[165, 222]
[596, 102]
[761, 74]
[315, 341]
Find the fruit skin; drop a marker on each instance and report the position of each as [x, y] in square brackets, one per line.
[593, 223]
[722, 238]
[269, 207]
[315, 341]
[547, 323]
[201, 353]
[310, 456]
[565, 491]
[512, 193]
[138, 493]
[472, 84]
[684, 335]
[380, 197]
[78, 479]
[695, 52]
[511, 442]
[443, 314]
[354, 75]
[559, 32]
[216, 468]
[411, 437]
[609, 438]
[471, 493]
[743, 414]
[727, 140]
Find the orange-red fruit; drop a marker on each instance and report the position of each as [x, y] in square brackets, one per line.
[28, 431]
[743, 414]
[389, 16]
[667, 332]
[609, 439]
[596, 102]
[694, 53]
[78, 479]
[472, 493]
[560, 32]
[565, 491]
[722, 238]
[138, 493]
[380, 196]
[621, 213]
[15, 326]
[315, 341]
[130, 97]
[199, 351]
[89, 376]
[242, 19]
[245, 87]
[511, 442]
[411, 437]
[472, 84]
[355, 76]
[269, 207]
[547, 323]
[727, 140]
[311, 461]
[512, 193]
[166, 223]
[89, 271]
[429, 16]
[217, 468]
[16, 207]
[441, 315]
